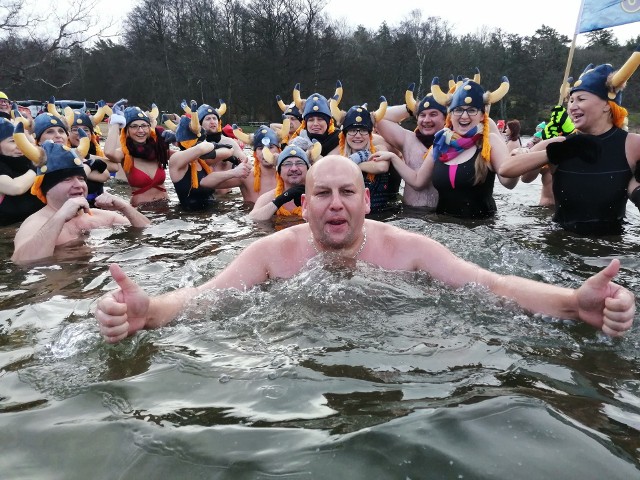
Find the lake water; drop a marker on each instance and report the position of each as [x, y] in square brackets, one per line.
[360, 374]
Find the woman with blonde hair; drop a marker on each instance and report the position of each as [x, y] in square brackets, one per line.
[466, 154]
[593, 169]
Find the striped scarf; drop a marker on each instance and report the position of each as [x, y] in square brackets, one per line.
[448, 144]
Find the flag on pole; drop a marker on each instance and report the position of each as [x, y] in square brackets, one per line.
[598, 14]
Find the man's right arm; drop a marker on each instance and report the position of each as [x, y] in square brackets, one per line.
[393, 133]
[128, 309]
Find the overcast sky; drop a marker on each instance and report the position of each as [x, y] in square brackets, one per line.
[520, 17]
[516, 16]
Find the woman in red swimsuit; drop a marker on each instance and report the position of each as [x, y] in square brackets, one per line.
[141, 150]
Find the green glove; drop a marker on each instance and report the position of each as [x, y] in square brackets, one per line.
[559, 123]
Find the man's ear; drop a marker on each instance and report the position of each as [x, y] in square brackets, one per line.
[303, 198]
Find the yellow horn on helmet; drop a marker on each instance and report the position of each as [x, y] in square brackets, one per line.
[565, 88]
[626, 70]
[51, 108]
[339, 90]
[222, 109]
[296, 97]
[107, 110]
[336, 113]
[99, 115]
[240, 135]
[452, 84]
[284, 131]
[281, 104]
[69, 116]
[154, 112]
[502, 90]
[194, 125]
[83, 146]
[33, 153]
[16, 116]
[314, 152]
[439, 96]
[267, 154]
[476, 76]
[170, 125]
[382, 109]
[409, 99]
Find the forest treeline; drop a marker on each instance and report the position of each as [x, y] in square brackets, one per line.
[247, 52]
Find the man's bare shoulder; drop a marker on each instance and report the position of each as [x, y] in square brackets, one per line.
[266, 197]
[413, 148]
[394, 248]
[33, 222]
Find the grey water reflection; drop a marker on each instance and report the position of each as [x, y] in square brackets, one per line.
[336, 373]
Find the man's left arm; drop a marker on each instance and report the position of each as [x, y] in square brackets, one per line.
[598, 301]
[132, 216]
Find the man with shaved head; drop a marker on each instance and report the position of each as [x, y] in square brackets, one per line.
[334, 205]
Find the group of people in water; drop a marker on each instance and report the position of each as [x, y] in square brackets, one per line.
[331, 168]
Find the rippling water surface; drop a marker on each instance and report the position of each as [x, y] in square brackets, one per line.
[335, 373]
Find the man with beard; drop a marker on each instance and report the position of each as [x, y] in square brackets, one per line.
[430, 117]
[286, 198]
[335, 204]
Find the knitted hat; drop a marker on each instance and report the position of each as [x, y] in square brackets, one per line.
[62, 162]
[55, 162]
[317, 105]
[427, 103]
[3, 96]
[594, 80]
[185, 135]
[604, 81]
[47, 120]
[205, 109]
[293, 111]
[290, 152]
[265, 137]
[78, 118]
[470, 94]
[357, 116]
[132, 114]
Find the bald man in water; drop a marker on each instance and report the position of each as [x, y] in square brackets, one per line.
[334, 205]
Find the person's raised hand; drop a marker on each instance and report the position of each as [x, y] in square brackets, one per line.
[294, 193]
[117, 116]
[123, 311]
[72, 207]
[604, 304]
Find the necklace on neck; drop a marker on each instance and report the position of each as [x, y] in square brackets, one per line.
[312, 241]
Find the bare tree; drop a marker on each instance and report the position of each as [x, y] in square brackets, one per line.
[60, 32]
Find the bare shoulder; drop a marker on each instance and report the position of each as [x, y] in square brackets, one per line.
[32, 224]
[281, 254]
[632, 147]
[265, 198]
[394, 248]
[413, 148]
